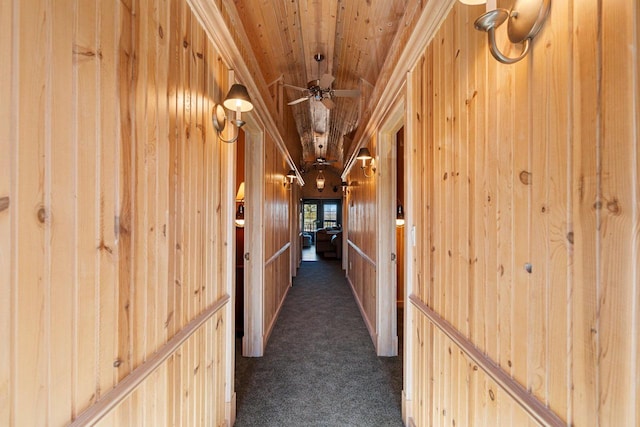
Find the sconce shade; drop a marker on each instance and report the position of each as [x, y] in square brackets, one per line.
[472, 2]
[240, 216]
[364, 154]
[238, 99]
[399, 216]
[240, 193]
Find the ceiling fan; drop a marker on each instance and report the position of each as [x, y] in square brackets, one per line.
[321, 90]
[321, 161]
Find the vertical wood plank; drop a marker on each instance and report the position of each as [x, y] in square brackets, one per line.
[84, 165]
[109, 167]
[32, 217]
[7, 198]
[585, 118]
[617, 150]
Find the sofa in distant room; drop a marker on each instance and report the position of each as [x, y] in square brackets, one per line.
[329, 242]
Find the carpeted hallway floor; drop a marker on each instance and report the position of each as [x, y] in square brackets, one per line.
[320, 366]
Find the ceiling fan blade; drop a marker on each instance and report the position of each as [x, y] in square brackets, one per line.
[294, 87]
[327, 102]
[298, 101]
[326, 80]
[346, 93]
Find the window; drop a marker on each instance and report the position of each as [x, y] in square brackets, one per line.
[321, 213]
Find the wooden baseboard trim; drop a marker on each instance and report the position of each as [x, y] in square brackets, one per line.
[124, 388]
[532, 406]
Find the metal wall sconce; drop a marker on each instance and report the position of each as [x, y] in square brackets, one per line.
[400, 216]
[365, 156]
[524, 21]
[289, 178]
[239, 220]
[237, 100]
[320, 181]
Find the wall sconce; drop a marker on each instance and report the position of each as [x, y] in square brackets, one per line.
[239, 220]
[237, 100]
[320, 181]
[365, 155]
[240, 216]
[524, 21]
[400, 216]
[289, 178]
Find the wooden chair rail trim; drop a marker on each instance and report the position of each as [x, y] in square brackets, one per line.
[277, 254]
[124, 388]
[526, 400]
[361, 253]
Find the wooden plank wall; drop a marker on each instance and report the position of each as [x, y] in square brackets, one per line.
[526, 209]
[361, 247]
[111, 239]
[277, 237]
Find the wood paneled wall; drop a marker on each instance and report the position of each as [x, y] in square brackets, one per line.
[361, 252]
[277, 236]
[111, 211]
[525, 201]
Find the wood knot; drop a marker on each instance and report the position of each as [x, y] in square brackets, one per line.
[613, 207]
[117, 363]
[525, 177]
[4, 203]
[446, 175]
[492, 395]
[160, 31]
[185, 44]
[570, 237]
[42, 215]
[509, 363]
[501, 270]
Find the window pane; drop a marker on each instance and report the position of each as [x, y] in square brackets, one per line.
[310, 217]
[330, 215]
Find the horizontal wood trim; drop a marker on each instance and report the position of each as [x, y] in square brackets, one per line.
[277, 254]
[528, 402]
[361, 253]
[124, 388]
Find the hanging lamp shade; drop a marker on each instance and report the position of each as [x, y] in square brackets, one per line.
[472, 2]
[238, 99]
[320, 181]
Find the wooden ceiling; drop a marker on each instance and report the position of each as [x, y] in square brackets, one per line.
[354, 36]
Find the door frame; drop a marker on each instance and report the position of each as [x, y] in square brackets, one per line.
[386, 280]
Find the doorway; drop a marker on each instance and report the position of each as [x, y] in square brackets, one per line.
[324, 215]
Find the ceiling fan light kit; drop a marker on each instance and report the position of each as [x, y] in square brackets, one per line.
[237, 100]
[524, 21]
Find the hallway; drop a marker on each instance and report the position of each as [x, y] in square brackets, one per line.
[320, 366]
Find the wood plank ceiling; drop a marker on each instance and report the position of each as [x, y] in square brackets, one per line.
[354, 37]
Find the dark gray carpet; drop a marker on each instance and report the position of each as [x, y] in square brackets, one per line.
[320, 366]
